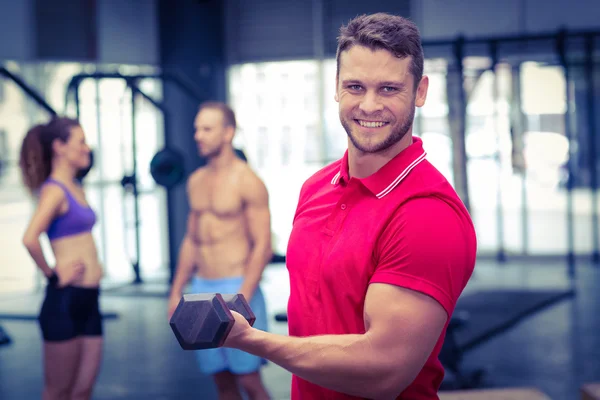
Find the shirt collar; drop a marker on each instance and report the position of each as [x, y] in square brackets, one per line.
[390, 175]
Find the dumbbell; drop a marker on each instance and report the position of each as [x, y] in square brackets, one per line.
[203, 321]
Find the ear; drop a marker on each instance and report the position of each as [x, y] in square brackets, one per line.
[58, 146]
[421, 94]
[229, 134]
[337, 86]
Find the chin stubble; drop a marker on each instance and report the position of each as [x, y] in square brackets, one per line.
[394, 137]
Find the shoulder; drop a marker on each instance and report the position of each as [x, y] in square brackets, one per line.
[248, 175]
[426, 196]
[51, 191]
[433, 215]
[251, 185]
[196, 178]
[427, 206]
[430, 231]
[50, 196]
[425, 177]
[427, 225]
[325, 175]
[429, 245]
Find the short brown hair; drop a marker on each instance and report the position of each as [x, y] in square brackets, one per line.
[35, 159]
[393, 33]
[228, 114]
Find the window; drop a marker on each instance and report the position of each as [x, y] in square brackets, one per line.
[286, 145]
[278, 133]
[302, 138]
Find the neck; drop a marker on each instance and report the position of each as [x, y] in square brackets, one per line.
[223, 159]
[361, 164]
[63, 172]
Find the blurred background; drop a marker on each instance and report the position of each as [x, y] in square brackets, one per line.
[511, 119]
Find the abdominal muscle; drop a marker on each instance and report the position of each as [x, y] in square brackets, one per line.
[222, 247]
[79, 248]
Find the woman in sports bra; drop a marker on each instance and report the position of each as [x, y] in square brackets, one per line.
[70, 321]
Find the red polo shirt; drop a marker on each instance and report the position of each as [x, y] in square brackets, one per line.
[404, 225]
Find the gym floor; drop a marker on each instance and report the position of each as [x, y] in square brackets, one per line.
[555, 350]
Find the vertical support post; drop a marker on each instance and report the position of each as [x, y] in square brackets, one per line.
[501, 254]
[134, 182]
[172, 246]
[319, 55]
[518, 130]
[76, 98]
[592, 142]
[561, 49]
[458, 117]
[98, 165]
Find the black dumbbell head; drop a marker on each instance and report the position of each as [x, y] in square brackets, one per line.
[201, 321]
[238, 303]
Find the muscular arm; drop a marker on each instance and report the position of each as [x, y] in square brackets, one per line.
[422, 265]
[402, 328]
[186, 263]
[256, 199]
[50, 200]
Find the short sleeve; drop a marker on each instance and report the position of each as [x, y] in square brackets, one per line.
[428, 246]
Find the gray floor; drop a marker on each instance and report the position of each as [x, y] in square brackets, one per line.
[555, 350]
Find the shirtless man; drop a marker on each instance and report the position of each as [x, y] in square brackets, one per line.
[227, 244]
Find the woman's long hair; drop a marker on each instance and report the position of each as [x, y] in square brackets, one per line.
[36, 155]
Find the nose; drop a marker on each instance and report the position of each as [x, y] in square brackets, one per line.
[370, 103]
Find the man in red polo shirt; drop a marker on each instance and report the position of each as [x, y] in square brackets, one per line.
[381, 246]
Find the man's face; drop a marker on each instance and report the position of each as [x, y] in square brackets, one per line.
[211, 133]
[376, 96]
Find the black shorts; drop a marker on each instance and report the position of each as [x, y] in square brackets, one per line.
[68, 312]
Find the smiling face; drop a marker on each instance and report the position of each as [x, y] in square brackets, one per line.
[377, 98]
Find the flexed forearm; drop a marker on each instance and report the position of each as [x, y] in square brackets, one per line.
[348, 364]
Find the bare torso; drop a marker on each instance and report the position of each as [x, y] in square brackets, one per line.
[78, 248]
[218, 226]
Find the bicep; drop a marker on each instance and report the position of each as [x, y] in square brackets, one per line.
[193, 183]
[422, 263]
[50, 201]
[404, 326]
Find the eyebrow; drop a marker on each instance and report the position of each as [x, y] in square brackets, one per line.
[399, 85]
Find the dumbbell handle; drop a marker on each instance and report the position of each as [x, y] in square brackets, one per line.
[188, 320]
[238, 303]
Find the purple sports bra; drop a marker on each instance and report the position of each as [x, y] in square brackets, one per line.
[77, 219]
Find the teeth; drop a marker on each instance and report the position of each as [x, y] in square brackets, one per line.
[368, 124]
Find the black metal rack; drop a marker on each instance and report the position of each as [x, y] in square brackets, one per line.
[130, 181]
[568, 56]
[29, 91]
[5, 338]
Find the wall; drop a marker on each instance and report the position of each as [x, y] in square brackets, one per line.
[128, 31]
[121, 32]
[440, 19]
[261, 30]
[16, 20]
